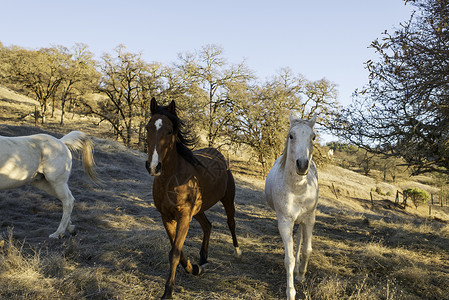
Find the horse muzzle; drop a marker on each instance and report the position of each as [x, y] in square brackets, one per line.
[154, 170]
[302, 166]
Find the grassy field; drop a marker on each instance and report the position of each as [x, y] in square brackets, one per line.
[120, 251]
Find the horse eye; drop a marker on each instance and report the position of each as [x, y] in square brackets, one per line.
[170, 132]
[291, 136]
[313, 137]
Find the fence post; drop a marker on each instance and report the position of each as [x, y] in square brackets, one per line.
[372, 201]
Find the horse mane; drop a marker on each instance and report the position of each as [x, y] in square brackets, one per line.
[185, 139]
[293, 123]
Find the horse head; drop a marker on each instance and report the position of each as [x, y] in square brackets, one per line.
[161, 136]
[300, 144]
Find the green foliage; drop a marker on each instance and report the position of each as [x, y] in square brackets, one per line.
[404, 110]
[417, 195]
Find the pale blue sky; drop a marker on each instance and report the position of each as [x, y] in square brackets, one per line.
[315, 38]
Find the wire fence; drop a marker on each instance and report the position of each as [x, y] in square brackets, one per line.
[436, 200]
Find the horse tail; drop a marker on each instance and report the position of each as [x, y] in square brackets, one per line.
[79, 141]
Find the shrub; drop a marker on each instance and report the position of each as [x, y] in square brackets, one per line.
[379, 191]
[418, 196]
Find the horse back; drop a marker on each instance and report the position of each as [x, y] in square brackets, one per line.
[208, 156]
[22, 159]
[213, 173]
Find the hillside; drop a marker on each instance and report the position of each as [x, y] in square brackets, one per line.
[120, 251]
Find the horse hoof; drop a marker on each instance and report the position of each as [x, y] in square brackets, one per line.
[73, 232]
[71, 229]
[55, 235]
[167, 296]
[237, 252]
[197, 270]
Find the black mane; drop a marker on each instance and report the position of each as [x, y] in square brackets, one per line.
[185, 140]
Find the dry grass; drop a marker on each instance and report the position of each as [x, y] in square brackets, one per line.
[121, 250]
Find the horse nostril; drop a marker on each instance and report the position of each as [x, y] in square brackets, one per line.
[306, 164]
[158, 167]
[302, 165]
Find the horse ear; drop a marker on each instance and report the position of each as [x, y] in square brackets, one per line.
[292, 118]
[172, 107]
[153, 105]
[313, 120]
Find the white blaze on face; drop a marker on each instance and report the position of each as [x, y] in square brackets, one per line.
[155, 157]
[158, 124]
[154, 160]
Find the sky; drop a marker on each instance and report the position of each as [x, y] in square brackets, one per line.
[315, 38]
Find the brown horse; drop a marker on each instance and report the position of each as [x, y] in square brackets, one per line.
[186, 184]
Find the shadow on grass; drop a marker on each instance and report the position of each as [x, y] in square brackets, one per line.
[121, 249]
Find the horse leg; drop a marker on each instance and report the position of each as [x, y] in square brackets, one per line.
[177, 232]
[62, 192]
[170, 228]
[228, 203]
[286, 230]
[304, 248]
[299, 242]
[206, 226]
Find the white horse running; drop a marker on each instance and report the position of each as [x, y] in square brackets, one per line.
[45, 162]
[291, 189]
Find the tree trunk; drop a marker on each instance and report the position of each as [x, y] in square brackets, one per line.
[62, 110]
[44, 113]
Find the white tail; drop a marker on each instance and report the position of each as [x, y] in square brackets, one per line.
[79, 141]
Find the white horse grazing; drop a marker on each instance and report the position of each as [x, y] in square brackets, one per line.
[45, 162]
[291, 189]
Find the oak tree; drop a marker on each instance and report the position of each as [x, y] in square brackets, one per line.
[404, 110]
